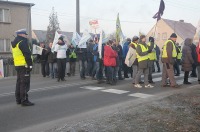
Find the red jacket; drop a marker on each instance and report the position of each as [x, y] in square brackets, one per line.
[109, 56]
[198, 52]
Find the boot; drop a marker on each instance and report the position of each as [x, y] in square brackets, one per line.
[186, 75]
[27, 103]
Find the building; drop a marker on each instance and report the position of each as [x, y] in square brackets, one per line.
[13, 16]
[164, 28]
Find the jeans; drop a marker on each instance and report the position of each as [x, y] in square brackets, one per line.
[53, 69]
[177, 67]
[139, 73]
[72, 68]
[98, 71]
[119, 70]
[82, 68]
[90, 67]
[44, 68]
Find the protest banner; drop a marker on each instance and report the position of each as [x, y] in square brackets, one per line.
[37, 50]
[84, 39]
[55, 41]
[75, 39]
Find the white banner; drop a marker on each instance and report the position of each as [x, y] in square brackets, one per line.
[84, 39]
[100, 44]
[1, 69]
[55, 41]
[37, 50]
[76, 39]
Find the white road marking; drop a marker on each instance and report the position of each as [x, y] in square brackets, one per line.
[48, 88]
[92, 88]
[140, 95]
[115, 91]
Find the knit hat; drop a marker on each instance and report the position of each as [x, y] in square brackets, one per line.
[173, 35]
[151, 39]
[128, 39]
[61, 38]
[135, 38]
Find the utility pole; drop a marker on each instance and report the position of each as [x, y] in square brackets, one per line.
[77, 17]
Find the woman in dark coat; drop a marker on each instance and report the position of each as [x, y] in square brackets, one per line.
[187, 60]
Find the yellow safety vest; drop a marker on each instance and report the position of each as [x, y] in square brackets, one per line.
[179, 56]
[164, 53]
[144, 49]
[19, 59]
[152, 55]
[134, 45]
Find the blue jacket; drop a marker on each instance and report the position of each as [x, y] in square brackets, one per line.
[125, 49]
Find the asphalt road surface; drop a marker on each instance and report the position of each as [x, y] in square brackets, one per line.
[54, 101]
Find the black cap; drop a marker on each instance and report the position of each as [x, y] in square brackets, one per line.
[151, 39]
[135, 38]
[173, 35]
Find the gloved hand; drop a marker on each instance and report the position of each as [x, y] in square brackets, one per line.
[29, 68]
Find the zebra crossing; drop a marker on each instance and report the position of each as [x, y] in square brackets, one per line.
[157, 78]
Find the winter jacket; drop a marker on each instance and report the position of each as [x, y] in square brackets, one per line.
[82, 54]
[90, 56]
[187, 59]
[125, 49]
[71, 52]
[44, 56]
[157, 53]
[194, 53]
[198, 54]
[51, 56]
[109, 56]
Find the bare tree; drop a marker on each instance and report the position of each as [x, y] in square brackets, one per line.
[53, 26]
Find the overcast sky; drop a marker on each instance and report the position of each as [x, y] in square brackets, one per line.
[135, 15]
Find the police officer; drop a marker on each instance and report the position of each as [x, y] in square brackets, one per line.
[169, 55]
[23, 65]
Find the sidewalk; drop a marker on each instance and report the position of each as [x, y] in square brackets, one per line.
[179, 112]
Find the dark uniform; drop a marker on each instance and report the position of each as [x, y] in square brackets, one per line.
[23, 65]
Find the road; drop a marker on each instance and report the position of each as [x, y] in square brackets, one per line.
[66, 100]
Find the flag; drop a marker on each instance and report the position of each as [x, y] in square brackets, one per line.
[37, 50]
[119, 34]
[82, 43]
[55, 41]
[75, 39]
[160, 11]
[102, 34]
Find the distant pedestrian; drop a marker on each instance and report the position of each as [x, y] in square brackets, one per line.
[43, 60]
[23, 64]
[82, 58]
[169, 55]
[143, 62]
[194, 56]
[60, 52]
[125, 51]
[198, 61]
[177, 60]
[73, 58]
[90, 56]
[110, 63]
[52, 62]
[187, 60]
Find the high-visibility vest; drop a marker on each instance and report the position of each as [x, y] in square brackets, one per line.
[134, 45]
[19, 59]
[73, 55]
[179, 55]
[144, 49]
[164, 53]
[152, 55]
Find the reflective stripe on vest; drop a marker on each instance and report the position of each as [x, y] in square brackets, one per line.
[19, 59]
[144, 49]
[152, 55]
[164, 53]
[179, 56]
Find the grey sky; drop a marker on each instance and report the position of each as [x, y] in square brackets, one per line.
[135, 15]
